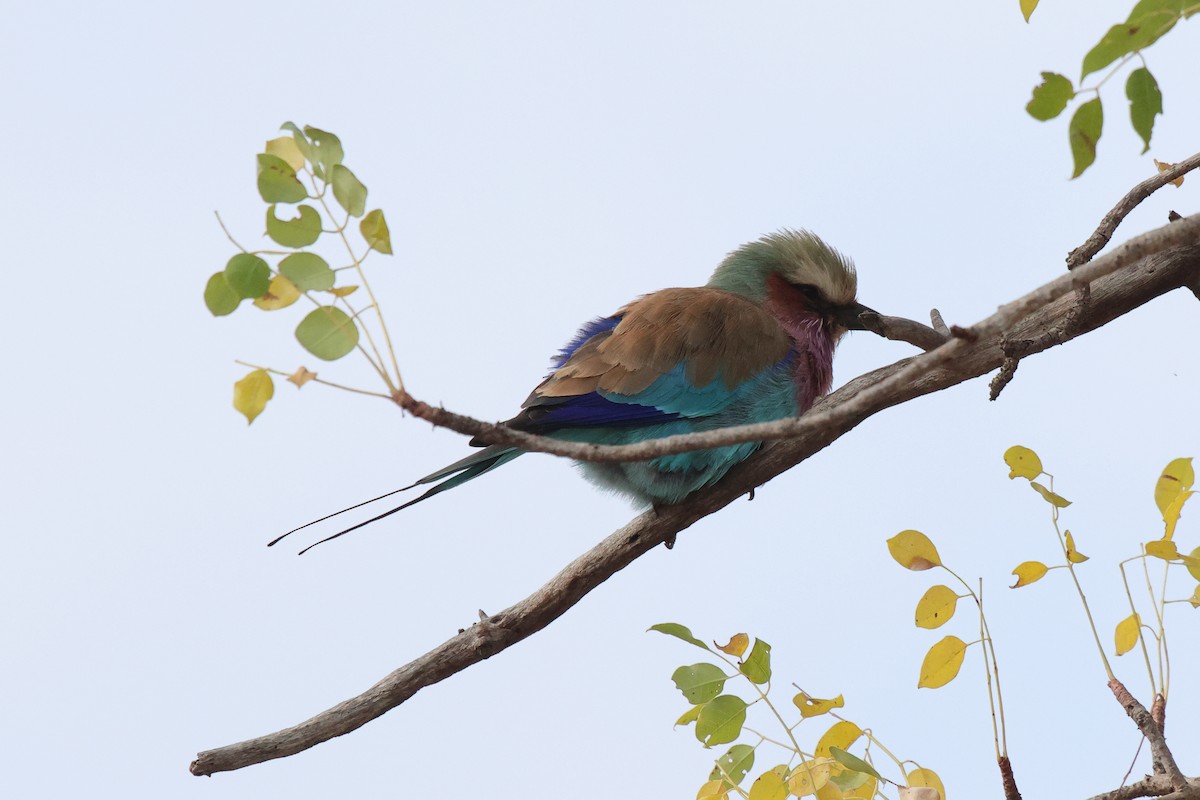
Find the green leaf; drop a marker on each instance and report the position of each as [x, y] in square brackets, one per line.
[1145, 102]
[1050, 97]
[248, 275]
[848, 780]
[1084, 133]
[308, 271]
[1159, 16]
[299, 232]
[251, 393]
[375, 230]
[1146, 24]
[349, 191]
[853, 762]
[699, 682]
[326, 149]
[757, 667]
[679, 632]
[1027, 7]
[721, 720]
[219, 296]
[302, 144]
[327, 333]
[736, 763]
[277, 181]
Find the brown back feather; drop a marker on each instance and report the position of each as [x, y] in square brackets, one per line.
[711, 330]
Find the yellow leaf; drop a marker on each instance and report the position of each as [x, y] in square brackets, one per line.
[1163, 166]
[1171, 515]
[737, 645]
[301, 376]
[942, 663]
[814, 707]
[926, 778]
[1027, 572]
[1027, 7]
[343, 291]
[285, 147]
[1073, 555]
[1195, 599]
[251, 393]
[689, 716]
[936, 607]
[713, 790]
[280, 294]
[1127, 633]
[1022, 463]
[1192, 562]
[1058, 501]
[768, 786]
[1176, 477]
[841, 735]
[809, 777]
[913, 550]
[1162, 548]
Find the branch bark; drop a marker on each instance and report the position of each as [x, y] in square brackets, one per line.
[1133, 274]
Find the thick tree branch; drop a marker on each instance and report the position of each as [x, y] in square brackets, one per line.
[1096, 242]
[1007, 321]
[1149, 266]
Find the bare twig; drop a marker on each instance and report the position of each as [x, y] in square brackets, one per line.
[954, 362]
[1007, 370]
[939, 324]
[1096, 242]
[899, 329]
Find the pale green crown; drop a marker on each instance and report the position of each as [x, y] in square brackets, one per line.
[798, 256]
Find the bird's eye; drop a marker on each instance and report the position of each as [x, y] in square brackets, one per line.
[810, 292]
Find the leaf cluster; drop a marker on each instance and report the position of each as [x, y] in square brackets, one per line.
[302, 170]
[829, 771]
[1148, 22]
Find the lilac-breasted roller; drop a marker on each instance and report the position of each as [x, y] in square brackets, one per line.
[754, 344]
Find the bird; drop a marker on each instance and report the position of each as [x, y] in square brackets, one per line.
[754, 344]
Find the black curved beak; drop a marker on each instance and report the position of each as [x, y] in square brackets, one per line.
[849, 317]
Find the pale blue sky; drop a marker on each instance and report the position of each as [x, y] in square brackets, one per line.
[541, 164]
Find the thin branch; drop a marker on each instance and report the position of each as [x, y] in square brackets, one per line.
[953, 363]
[899, 329]
[1160, 755]
[1007, 321]
[1096, 242]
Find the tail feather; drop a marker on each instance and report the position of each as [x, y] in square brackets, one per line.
[455, 474]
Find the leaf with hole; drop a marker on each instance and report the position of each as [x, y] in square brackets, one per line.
[301, 231]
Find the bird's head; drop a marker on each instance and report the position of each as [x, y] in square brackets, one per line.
[798, 277]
